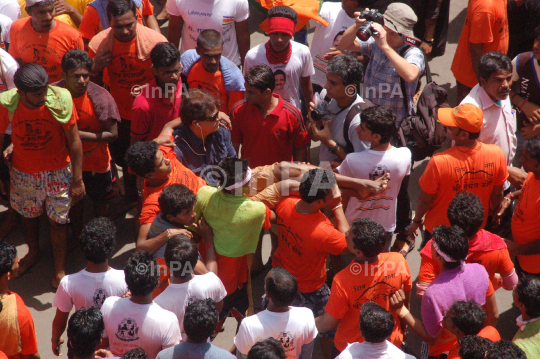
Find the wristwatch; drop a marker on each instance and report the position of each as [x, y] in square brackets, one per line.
[334, 149]
[429, 42]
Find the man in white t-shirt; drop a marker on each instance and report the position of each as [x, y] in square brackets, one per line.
[181, 256]
[5, 27]
[290, 61]
[188, 18]
[377, 126]
[11, 9]
[343, 78]
[376, 326]
[136, 321]
[294, 327]
[91, 286]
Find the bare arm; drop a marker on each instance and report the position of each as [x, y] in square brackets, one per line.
[174, 33]
[349, 41]
[58, 327]
[74, 145]
[242, 38]
[491, 310]
[109, 134]
[326, 322]
[496, 197]
[477, 50]
[151, 23]
[425, 200]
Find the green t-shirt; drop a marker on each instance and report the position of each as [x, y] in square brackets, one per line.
[529, 339]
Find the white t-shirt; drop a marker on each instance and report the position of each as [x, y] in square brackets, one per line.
[299, 65]
[325, 36]
[219, 15]
[373, 164]
[85, 289]
[11, 9]
[9, 67]
[148, 326]
[5, 25]
[178, 296]
[365, 350]
[336, 130]
[292, 329]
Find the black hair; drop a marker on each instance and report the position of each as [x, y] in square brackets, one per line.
[473, 347]
[492, 62]
[141, 157]
[117, 8]
[468, 316]
[40, 4]
[453, 242]
[137, 353]
[283, 11]
[532, 145]
[349, 70]
[98, 239]
[467, 212]
[368, 236]
[234, 170]
[8, 253]
[261, 77]
[195, 106]
[200, 319]
[528, 291]
[175, 198]
[376, 323]
[76, 58]
[85, 328]
[31, 77]
[267, 349]
[142, 273]
[164, 54]
[503, 349]
[316, 184]
[379, 120]
[181, 255]
[209, 38]
[338, 34]
[281, 286]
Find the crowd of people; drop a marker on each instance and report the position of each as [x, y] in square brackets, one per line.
[208, 139]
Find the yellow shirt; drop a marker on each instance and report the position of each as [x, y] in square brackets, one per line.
[79, 5]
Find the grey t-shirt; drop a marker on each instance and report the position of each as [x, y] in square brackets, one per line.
[186, 350]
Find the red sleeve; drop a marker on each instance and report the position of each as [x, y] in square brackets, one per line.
[149, 211]
[26, 327]
[91, 52]
[148, 8]
[335, 241]
[505, 263]
[4, 119]
[267, 224]
[338, 303]
[3, 355]
[490, 289]
[73, 120]
[79, 43]
[481, 26]
[234, 97]
[407, 280]
[236, 134]
[429, 181]
[90, 23]
[13, 48]
[502, 174]
[428, 269]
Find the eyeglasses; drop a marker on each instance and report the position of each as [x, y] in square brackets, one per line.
[172, 72]
[213, 117]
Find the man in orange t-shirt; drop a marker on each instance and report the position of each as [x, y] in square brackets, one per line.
[47, 161]
[41, 39]
[208, 73]
[525, 223]
[469, 165]
[126, 57]
[466, 211]
[485, 30]
[372, 276]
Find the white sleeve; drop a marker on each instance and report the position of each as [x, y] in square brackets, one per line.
[344, 169]
[242, 11]
[62, 300]
[219, 292]
[106, 310]
[408, 159]
[174, 7]
[10, 74]
[250, 57]
[311, 328]
[172, 335]
[307, 69]
[243, 340]
[515, 75]
[12, 10]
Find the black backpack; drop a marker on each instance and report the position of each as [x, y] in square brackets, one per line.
[422, 133]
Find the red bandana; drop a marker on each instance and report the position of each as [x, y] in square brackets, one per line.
[280, 24]
[275, 58]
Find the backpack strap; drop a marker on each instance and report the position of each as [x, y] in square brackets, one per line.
[402, 53]
[353, 111]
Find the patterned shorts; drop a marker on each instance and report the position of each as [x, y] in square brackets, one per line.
[31, 192]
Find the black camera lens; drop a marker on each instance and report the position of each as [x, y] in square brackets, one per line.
[317, 115]
[365, 31]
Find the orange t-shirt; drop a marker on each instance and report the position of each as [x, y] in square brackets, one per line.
[525, 222]
[486, 23]
[476, 170]
[45, 49]
[27, 330]
[305, 240]
[487, 332]
[360, 283]
[179, 174]
[495, 261]
[39, 142]
[96, 156]
[126, 71]
[91, 24]
[214, 83]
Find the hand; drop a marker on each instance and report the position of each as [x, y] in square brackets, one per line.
[426, 48]
[62, 7]
[505, 203]
[76, 191]
[8, 155]
[317, 134]
[412, 231]
[118, 188]
[516, 176]
[336, 196]
[379, 35]
[397, 300]
[224, 120]
[532, 112]
[127, 295]
[512, 247]
[530, 130]
[185, 232]
[498, 281]
[104, 353]
[165, 141]
[334, 51]
[102, 60]
[205, 231]
[56, 346]
[357, 20]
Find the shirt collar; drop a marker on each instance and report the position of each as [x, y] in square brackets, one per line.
[186, 134]
[485, 100]
[279, 107]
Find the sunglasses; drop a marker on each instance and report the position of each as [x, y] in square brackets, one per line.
[212, 118]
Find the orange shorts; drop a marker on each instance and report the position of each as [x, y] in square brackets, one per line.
[232, 272]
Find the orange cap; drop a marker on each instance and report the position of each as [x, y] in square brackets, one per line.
[467, 117]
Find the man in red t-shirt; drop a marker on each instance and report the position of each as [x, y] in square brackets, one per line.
[46, 172]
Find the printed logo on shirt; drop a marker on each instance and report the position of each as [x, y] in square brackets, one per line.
[128, 330]
[38, 59]
[227, 20]
[377, 172]
[375, 202]
[287, 341]
[99, 297]
[125, 66]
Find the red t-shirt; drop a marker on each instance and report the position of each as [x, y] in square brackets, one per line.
[487, 332]
[45, 49]
[179, 174]
[359, 283]
[27, 330]
[305, 240]
[39, 142]
[151, 113]
[96, 156]
[282, 129]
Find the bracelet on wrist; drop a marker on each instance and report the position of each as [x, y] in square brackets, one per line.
[334, 149]
[429, 42]
[336, 207]
[419, 222]
[522, 104]
[168, 234]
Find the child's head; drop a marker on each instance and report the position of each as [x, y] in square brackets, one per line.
[98, 240]
[176, 203]
[376, 323]
[377, 124]
[465, 318]
[181, 256]
[366, 236]
[467, 212]
[449, 246]
[200, 320]
[9, 262]
[527, 296]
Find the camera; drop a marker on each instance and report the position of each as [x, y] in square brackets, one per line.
[321, 111]
[371, 16]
